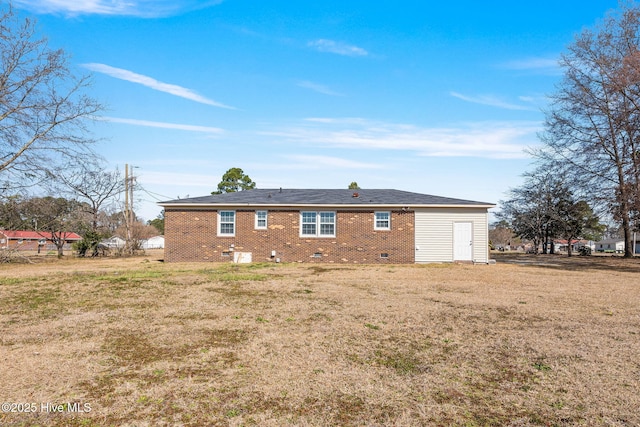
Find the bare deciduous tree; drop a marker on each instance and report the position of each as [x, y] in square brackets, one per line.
[43, 106]
[593, 126]
[529, 209]
[501, 235]
[93, 185]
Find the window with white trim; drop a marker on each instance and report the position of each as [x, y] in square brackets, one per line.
[382, 221]
[318, 224]
[261, 220]
[226, 223]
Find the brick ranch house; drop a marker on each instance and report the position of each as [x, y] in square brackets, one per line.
[336, 226]
[25, 240]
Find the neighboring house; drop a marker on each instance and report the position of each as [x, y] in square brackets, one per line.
[616, 245]
[34, 240]
[114, 242]
[562, 245]
[584, 243]
[336, 226]
[156, 242]
[610, 245]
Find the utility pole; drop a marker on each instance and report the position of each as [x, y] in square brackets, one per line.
[129, 215]
[126, 191]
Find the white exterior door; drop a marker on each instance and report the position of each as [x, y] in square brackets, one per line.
[462, 241]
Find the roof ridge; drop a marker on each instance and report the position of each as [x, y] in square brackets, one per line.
[325, 197]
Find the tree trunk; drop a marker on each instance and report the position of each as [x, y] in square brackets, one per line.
[569, 246]
[624, 214]
[628, 253]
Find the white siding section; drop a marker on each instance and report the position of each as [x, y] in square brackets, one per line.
[434, 233]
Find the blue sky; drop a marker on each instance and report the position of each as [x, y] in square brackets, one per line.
[434, 97]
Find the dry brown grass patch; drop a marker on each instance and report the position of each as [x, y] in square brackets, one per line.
[536, 341]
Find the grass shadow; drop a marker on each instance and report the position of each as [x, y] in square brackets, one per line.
[574, 263]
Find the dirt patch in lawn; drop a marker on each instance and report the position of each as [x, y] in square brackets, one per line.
[141, 342]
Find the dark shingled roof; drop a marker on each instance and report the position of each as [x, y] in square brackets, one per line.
[317, 197]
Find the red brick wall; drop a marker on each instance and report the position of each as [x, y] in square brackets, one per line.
[191, 235]
[31, 245]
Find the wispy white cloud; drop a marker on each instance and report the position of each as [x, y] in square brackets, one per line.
[174, 162]
[323, 162]
[182, 179]
[150, 82]
[164, 125]
[497, 140]
[494, 101]
[140, 8]
[318, 88]
[534, 64]
[339, 48]
[355, 121]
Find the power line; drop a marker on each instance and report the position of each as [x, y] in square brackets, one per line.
[157, 196]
